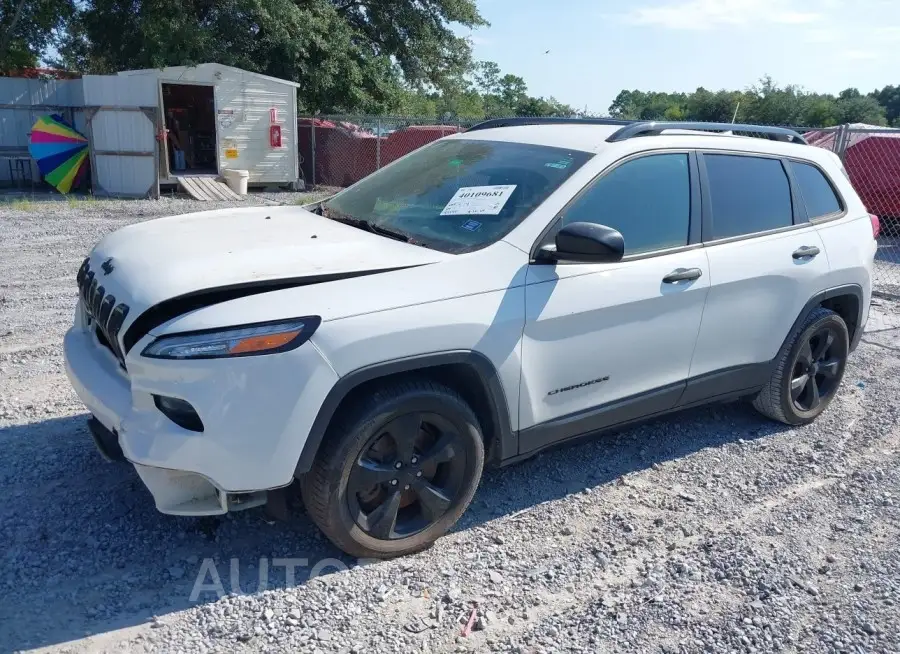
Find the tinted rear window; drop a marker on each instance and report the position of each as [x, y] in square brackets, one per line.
[749, 195]
[818, 195]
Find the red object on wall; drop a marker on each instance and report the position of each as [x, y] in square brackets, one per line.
[275, 136]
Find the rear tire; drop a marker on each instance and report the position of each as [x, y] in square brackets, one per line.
[808, 370]
[396, 470]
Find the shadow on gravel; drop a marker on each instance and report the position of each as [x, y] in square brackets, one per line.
[86, 552]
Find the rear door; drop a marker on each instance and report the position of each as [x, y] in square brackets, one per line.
[766, 261]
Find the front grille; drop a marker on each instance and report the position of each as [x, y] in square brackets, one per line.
[102, 309]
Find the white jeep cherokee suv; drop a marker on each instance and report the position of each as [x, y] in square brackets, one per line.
[485, 297]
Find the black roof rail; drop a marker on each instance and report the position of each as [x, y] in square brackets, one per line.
[517, 121]
[653, 128]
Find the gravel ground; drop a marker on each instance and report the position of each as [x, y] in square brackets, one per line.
[711, 531]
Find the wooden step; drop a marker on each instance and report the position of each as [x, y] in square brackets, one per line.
[207, 189]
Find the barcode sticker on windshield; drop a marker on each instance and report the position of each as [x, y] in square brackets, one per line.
[478, 200]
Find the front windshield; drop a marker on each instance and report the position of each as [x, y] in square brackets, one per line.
[458, 195]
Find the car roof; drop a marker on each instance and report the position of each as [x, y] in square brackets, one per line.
[587, 138]
[593, 138]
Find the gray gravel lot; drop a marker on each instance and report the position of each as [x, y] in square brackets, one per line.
[714, 530]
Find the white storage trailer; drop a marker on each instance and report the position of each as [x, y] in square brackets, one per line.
[219, 119]
[222, 118]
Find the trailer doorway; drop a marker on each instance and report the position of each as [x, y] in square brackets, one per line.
[189, 112]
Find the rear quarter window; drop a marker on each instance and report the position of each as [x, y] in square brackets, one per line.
[818, 194]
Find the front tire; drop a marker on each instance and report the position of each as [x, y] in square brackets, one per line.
[396, 470]
[808, 371]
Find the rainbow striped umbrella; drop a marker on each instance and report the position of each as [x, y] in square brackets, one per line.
[61, 153]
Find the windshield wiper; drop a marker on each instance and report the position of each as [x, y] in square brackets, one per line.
[390, 233]
[365, 224]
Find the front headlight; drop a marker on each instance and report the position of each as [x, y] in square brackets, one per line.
[247, 340]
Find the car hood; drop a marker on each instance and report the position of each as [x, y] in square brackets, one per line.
[147, 263]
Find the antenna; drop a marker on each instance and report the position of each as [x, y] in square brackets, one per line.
[734, 118]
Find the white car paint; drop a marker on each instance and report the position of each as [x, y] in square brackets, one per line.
[615, 320]
[758, 289]
[168, 257]
[543, 327]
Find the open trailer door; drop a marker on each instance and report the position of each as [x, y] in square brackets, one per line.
[163, 137]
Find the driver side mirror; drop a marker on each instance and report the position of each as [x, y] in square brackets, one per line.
[585, 243]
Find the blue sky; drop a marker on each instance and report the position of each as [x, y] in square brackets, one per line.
[598, 48]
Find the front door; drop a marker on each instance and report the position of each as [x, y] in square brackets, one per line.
[607, 343]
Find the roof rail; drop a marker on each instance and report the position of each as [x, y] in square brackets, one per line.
[517, 121]
[654, 128]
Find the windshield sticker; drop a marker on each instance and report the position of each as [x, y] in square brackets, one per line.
[471, 225]
[562, 164]
[478, 200]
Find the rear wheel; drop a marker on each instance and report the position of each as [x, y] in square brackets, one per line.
[397, 471]
[809, 370]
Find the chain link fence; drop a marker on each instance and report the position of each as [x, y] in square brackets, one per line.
[871, 157]
[337, 151]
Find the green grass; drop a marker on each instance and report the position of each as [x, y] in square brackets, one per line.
[21, 204]
[78, 202]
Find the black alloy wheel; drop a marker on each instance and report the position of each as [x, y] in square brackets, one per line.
[817, 368]
[808, 369]
[396, 469]
[407, 476]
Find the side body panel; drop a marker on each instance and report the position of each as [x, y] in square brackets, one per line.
[597, 333]
[758, 289]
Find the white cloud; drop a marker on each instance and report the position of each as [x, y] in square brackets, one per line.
[709, 14]
[856, 55]
[823, 35]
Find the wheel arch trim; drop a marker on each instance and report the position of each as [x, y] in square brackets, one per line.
[828, 294]
[505, 439]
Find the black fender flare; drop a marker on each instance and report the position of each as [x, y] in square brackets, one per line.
[505, 440]
[822, 296]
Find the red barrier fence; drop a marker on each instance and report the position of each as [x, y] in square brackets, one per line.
[343, 152]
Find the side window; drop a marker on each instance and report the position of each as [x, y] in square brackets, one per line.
[648, 200]
[749, 195]
[817, 192]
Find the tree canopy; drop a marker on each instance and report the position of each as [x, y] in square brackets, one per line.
[765, 103]
[346, 54]
[369, 56]
[27, 27]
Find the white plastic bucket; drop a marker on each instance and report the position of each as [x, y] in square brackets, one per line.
[237, 180]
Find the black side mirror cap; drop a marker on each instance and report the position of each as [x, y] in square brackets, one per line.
[585, 243]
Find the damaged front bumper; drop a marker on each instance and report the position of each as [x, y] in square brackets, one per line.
[253, 429]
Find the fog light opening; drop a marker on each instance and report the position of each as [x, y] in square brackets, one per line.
[179, 411]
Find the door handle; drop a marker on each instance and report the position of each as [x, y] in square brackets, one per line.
[806, 252]
[682, 275]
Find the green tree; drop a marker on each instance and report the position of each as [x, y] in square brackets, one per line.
[28, 28]
[346, 54]
[889, 98]
[529, 106]
[860, 109]
[487, 77]
[765, 103]
[513, 90]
